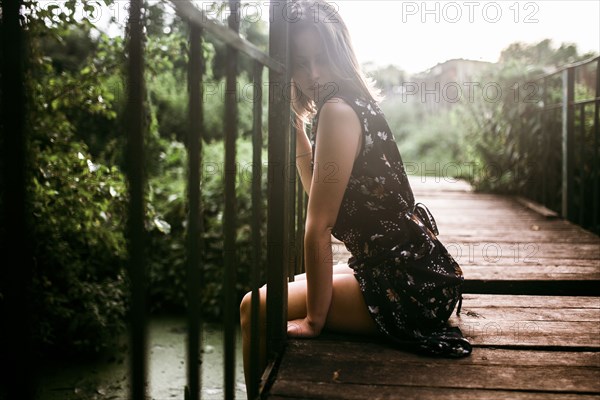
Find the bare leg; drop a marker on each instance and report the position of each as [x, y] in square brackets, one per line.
[348, 312]
[337, 269]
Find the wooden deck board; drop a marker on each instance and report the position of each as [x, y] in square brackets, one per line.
[295, 390]
[436, 375]
[526, 345]
[501, 244]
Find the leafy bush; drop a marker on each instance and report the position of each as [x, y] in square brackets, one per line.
[78, 203]
[168, 255]
[428, 141]
[76, 116]
[505, 137]
[79, 282]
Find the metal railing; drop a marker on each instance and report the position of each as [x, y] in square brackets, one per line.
[281, 186]
[562, 147]
[16, 269]
[282, 198]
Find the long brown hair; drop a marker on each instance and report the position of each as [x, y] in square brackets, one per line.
[323, 17]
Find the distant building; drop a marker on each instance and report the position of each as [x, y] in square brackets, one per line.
[444, 84]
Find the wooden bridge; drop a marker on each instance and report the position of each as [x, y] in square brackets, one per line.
[531, 310]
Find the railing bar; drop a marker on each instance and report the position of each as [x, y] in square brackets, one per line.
[195, 225]
[195, 16]
[546, 137]
[567, 143]
[278, 158]
[580, 102]
[257, 217]
[563, 68]
[581, 170]
[535, 185]
[299, 227]
[16, 271]
[587, 101]
[230, 220]
[545, 92]
[596, 161]
[290, 174]
[135, 174]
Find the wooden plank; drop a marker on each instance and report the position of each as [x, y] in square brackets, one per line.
[294, 390]
[452, 221]
[512, 235]
[526, 315]
[376, 364]
[518, 324]
[531, 302]
[535, 273]
[525, 346]
[351, 349]
[538, 208]
[535, 287]
[331, 368]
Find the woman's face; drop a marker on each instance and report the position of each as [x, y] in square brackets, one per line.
[310, 67]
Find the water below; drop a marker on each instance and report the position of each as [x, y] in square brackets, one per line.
[107, 379]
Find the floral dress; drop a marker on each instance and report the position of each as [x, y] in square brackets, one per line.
[410, 283]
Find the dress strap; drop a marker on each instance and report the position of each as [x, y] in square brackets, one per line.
[421, 211]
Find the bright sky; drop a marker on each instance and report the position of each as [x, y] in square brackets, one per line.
[416, 35]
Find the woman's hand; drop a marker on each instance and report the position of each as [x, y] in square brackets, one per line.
[303, 328]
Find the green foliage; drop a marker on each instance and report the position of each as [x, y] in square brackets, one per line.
[77, 116]
[77, 203]
[429, 142]
[79, 281]
[387, 79]
[168, 255]
[506, 140]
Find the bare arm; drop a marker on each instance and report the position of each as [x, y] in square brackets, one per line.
[303, 158]
[338, 144]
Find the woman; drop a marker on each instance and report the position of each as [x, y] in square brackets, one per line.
[400, 280]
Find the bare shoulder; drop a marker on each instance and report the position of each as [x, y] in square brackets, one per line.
[339, 113]
[336, 105]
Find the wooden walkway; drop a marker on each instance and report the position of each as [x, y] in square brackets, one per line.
[531, 309]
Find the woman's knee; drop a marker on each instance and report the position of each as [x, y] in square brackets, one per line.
[246, 308]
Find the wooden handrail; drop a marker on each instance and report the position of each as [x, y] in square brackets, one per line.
[194, 15]
[575, 203]
[564, 67]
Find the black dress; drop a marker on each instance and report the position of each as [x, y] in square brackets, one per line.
[410, 283]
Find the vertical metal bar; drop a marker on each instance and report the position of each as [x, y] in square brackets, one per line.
[230, 259]
[545, 139]
[300, 216]
[596, 161]
[195, 228]
[135, 174]
[279, 130]
[520, 150]
[15, 241]
[257, 215]
[290, 174]
[581, 169]
[568, 84]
